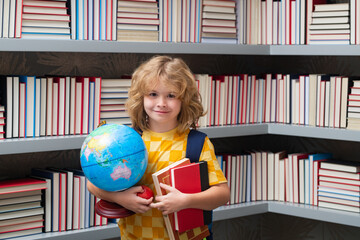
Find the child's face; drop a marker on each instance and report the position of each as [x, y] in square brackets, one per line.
[163, 107]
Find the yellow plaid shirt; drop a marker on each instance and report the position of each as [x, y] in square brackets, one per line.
[164, 149]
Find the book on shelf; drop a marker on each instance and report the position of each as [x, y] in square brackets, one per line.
[339, 206]
[21, 185]
[343, 166]
[21, 233]
[55, 194]
[192, 178]
[21, 220]
[21, 227]
[31, 198]
[331, 7]
[19, 206]
[163, 176]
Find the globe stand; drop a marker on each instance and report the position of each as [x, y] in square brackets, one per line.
[111, 210]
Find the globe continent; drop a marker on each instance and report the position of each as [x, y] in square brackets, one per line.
[113, 157]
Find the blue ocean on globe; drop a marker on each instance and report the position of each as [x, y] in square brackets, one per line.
[113, 157]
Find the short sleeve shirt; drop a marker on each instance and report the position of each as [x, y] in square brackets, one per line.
[163, 150]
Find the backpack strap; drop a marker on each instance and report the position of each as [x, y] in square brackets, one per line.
[195, 143]
[194, 146]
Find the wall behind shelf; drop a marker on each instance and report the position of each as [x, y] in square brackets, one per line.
[113, 65]
[19, 165]
[342, 150]
[271, 226]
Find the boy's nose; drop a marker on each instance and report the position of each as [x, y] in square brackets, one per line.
[162, 102]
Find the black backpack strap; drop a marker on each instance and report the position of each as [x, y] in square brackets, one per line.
[194, 146]
[195, 143]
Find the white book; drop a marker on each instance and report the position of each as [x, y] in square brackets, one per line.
[67, 105]
[264, 175]
[43, 105]
[91, 106]
[97, 100]
[62, 106]
[6, 19]
[55, 109]
[72, 105]
[49, 107]
[85, 113]
[22, 107]
[30, 104]
[253, 177]
[9, 109]
[267, 105]
[337, 102]
[328, 108]
[248, 178]
[76, 204]
[78, 108]
[37, 109]
[344, 96]
[271, 176]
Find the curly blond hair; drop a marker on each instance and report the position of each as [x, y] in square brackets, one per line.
[179, 77]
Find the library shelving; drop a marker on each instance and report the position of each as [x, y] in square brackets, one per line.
[214, 58]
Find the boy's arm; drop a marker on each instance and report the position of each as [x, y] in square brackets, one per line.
[126, 198]
[217, 195]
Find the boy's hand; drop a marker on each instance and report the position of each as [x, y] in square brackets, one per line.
[130, 200]
[173, 201]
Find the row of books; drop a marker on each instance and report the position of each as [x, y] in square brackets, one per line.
[312, 179]
[51, 106]
[225, 21]
[313, 99]
[50, 200]
[47, 106]
[94, 20]
[56, 106]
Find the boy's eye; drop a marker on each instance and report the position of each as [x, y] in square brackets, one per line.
[171, 95]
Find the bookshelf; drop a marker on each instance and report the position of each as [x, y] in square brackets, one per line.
[209, 53]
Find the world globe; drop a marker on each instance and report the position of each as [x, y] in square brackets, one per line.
[113, 157]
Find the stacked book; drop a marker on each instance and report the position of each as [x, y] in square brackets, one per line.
[339, 185]
[21, 209]
[219, 22]
[45, 19]
[2, 122]
[114, 93]
[353, 118]
[138, 21]
[330, 24]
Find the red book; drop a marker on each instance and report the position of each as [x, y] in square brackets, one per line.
[163, 176]
[21, 185]
[192, 178]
